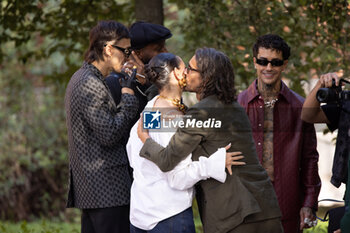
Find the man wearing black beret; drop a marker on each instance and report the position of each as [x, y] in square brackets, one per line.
[147, 40]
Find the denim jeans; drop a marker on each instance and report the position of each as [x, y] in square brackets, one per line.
[180, 223]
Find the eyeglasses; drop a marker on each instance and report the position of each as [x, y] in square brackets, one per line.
[273, 62]
[189, 68]
[125, 51]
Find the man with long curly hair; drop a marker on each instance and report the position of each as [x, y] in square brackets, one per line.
[246, 202]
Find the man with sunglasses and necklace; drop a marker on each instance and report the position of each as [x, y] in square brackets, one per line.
[99, 176]
[286, 145]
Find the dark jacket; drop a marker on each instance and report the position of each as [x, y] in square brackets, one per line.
[339, 117]
[98, 165]
[247, 195]
[143, 93]
[296, 180]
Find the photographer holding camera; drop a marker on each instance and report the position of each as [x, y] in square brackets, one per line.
[336, 113]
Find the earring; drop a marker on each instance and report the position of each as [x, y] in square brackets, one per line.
[182, 82]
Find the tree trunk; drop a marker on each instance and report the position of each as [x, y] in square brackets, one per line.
[150, 11]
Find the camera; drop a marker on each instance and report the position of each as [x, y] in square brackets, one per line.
[335, 94]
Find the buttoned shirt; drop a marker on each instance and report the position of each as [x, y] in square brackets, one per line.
[296, 180]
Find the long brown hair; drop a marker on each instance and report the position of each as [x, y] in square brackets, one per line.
[217, 74]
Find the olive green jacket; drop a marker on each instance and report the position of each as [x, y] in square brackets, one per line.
[247, 195]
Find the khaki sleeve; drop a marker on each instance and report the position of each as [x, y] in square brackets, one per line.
[184, 141]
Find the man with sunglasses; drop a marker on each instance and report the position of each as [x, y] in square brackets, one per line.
[147, 40]
[99, 177]
[285, 144]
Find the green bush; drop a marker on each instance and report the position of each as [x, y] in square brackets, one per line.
[33, 146]
[42, 226]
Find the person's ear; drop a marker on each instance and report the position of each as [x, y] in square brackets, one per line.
[177, 72]
[284, 64]
[180, 77]
[254, 61]
[107, 51]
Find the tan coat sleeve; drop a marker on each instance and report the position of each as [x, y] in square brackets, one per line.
[184, 141]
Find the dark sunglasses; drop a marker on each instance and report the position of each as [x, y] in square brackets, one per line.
[126, 51]
[188, 67]
[265, 62]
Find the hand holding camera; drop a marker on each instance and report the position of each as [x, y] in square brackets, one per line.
[326, 80]
[331, 89]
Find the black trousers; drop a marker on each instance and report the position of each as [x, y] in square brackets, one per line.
[106, 220]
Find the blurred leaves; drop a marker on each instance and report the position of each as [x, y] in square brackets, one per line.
[33, 142]
[33, 139]
[43, 226]
[62, 25]
[317, 31]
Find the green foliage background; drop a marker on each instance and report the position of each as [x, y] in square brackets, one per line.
[42, 43]
[317, 31]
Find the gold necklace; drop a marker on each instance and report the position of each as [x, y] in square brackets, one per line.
[176, 102]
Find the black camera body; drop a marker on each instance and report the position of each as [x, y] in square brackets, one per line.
[335, 94]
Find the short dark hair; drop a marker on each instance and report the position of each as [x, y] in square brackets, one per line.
[103, 32]
[274, 42]
[217, 74]
[157, 71]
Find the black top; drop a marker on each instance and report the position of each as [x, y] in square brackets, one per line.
[142, 93]
[339, 117]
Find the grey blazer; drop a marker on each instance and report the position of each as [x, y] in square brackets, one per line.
[247, 195]
[98, 166]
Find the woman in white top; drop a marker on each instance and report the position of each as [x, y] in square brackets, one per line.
[161, 202]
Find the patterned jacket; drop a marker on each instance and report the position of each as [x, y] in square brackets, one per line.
[98, 164]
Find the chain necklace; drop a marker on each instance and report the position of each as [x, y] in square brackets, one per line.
[270, 104]
[176, 102]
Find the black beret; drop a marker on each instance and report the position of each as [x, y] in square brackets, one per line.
[142, 34]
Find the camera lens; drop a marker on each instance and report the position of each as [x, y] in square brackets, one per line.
[326, 95]
[322, 95]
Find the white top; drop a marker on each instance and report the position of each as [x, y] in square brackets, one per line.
[156, 195]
